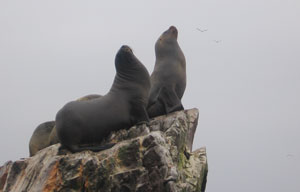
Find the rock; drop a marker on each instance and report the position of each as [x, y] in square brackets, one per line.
[154, 157]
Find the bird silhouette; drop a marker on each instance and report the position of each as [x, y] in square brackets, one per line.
[217, 41]
[201, 30]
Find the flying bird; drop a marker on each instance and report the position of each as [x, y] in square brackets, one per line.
[217, 41]
[201, 30]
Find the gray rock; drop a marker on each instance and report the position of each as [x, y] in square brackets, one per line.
[154, 157]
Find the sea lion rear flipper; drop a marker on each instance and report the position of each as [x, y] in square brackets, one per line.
[75, 148]
[170, 100]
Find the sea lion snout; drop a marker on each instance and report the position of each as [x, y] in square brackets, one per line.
[173, 30]
[124, 54]
[169, 34]
[126, 48]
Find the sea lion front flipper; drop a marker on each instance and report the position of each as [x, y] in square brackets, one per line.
[170, 100]
[139, 114]
[153, 97]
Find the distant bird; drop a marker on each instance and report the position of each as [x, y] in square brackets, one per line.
[217, 41]
[201, 30]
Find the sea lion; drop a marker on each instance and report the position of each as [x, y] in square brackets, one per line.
[83, 125]
[168, 79]
[40, 136]
[45, 134]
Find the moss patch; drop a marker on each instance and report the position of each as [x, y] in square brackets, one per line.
[130, 154]
[182, 160]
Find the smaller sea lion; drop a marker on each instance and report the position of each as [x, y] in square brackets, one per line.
[45, 134]
[40, 137]
[168, 79]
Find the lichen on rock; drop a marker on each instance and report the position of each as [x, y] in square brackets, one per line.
[153, 157]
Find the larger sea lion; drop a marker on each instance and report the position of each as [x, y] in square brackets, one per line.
[168, 79]
[83, 125]
[45, 134]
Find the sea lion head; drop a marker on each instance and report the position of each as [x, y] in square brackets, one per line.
[128, 66]
[169, 35]
[167, 41]
[124, 58]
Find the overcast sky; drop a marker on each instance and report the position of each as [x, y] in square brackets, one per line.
[246, 85]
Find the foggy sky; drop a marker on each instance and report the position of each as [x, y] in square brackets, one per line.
[247, 86]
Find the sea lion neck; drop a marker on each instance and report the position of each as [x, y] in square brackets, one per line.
[165, 48]
[129, 70]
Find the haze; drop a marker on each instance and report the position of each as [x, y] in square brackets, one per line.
[243, 75]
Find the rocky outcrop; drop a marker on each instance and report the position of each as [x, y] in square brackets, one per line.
[154, 157]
